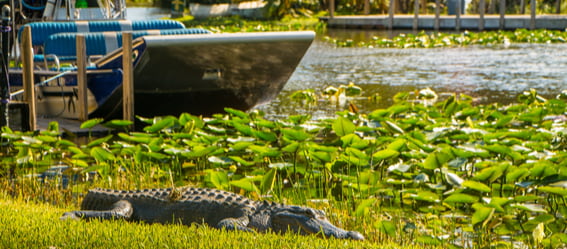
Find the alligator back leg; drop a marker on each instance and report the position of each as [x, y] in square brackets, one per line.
[119, 210]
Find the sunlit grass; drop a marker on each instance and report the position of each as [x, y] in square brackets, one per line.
[37, 225]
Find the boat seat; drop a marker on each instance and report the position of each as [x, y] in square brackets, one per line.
[61, 47]
[41, 31]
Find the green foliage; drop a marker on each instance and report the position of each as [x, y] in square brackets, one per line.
[238, 24]
[437, 40]
[435, 164]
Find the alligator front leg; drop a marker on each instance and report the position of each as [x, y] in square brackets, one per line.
[120, 210]
[235, 224]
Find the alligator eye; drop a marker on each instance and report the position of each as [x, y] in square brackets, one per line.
[310, 212]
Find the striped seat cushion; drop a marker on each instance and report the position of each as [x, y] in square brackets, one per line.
[101, 43]
[42, 30]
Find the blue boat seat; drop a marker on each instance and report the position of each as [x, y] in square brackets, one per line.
[42, 30]
[63, 45]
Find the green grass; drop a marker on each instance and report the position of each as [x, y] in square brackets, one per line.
[37, 225]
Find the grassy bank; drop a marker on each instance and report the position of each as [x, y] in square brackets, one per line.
[32, 225]
[428, 170]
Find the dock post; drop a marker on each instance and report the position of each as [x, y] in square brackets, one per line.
[492, 6]
[502, 13]
[532, 14]
[458, 16]
[127, 78]
[83, 103]
[391, 14]
[481, 5]
[27, 74]
[437, 13]
[332, 8]
[415, 15]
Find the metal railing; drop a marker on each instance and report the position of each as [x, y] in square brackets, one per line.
[457, 13]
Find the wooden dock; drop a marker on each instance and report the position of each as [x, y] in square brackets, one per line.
[427, 22]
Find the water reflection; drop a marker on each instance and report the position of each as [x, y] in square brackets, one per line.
[490, 74]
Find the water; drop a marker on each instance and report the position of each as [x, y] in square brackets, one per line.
[489, 74]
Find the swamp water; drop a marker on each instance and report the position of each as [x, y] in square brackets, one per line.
[487, 73]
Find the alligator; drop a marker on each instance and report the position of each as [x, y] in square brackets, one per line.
[216, 208]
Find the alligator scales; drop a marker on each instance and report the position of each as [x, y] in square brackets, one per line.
[219, 209]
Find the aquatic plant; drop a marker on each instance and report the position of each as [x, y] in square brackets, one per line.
[436, 40]
[439, 169]
[238, 24]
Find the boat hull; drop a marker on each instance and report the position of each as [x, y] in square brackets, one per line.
[203, 74]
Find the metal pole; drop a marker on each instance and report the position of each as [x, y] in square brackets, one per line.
[4, 65]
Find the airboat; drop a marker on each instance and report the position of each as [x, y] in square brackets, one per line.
[176, 69]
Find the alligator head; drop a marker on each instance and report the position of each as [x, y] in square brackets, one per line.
[306, 220]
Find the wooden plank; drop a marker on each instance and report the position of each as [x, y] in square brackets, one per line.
[27, 71]
[83, 104]
[127, 78]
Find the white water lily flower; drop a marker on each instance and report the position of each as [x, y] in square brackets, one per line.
[539, 234]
